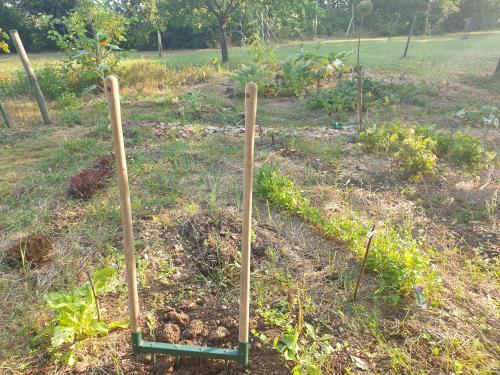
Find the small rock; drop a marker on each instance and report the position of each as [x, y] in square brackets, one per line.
[179, 318]
[219, 334]
[195, 329]
[223, 307]
[171, 333]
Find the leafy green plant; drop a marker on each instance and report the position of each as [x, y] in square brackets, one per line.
[90, 55]
[308, 69]
[77, 317]
[343, 97]
[298, 341]
[4, 47]
[297, 76]
[258, 74]
[395, 255]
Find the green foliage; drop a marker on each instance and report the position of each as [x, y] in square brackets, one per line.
[418, 148]
[298, 341]
[308, 69]
[298, 76]
[53, 81]
[479, 116]
[417, 156]
[343, 97]
[91, 55]
[4, 47]
[258, 74]
[75, 316]
[395, 255]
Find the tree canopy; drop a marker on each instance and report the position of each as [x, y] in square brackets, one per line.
[212, 23]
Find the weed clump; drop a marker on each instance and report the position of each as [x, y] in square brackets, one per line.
[89, 180]
[418, 148]
[396, 256]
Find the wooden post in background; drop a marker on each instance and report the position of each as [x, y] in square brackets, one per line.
[37, 92]
[410, 35]
[250, 116]
[160, 46]
[113, 99]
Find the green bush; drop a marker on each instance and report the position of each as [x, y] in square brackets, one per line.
[417, 156]
[53, 81]
[395, 255]
[258, 74]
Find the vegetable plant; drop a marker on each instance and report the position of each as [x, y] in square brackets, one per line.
[76, 316]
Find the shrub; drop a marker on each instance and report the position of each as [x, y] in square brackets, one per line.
[257, 74]
[395, 255]
[53, 81]
[417, 156]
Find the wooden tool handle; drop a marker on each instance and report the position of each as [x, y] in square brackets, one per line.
[250, 116]
[113, 98]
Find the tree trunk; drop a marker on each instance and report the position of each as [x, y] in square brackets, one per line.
[497, 70]
[223, 41]
[160, 47]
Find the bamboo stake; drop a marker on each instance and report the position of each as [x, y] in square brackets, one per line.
[410, 35]
[37, 92]
[250, 115]
[113, 98]
[370, 236]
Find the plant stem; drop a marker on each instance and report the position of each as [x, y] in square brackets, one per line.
[95, 296]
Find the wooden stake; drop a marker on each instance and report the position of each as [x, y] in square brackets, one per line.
[250, 116]
[359, 79]
[410, 35]
[113, 98]
[37, 92]
[370, 236]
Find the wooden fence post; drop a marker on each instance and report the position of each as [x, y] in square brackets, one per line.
[37, 92]
[410, 35]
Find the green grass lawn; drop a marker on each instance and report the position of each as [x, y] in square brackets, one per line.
[440, 57]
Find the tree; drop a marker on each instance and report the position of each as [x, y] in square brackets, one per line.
[90, 37]
[157, 16]
[222, 10]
